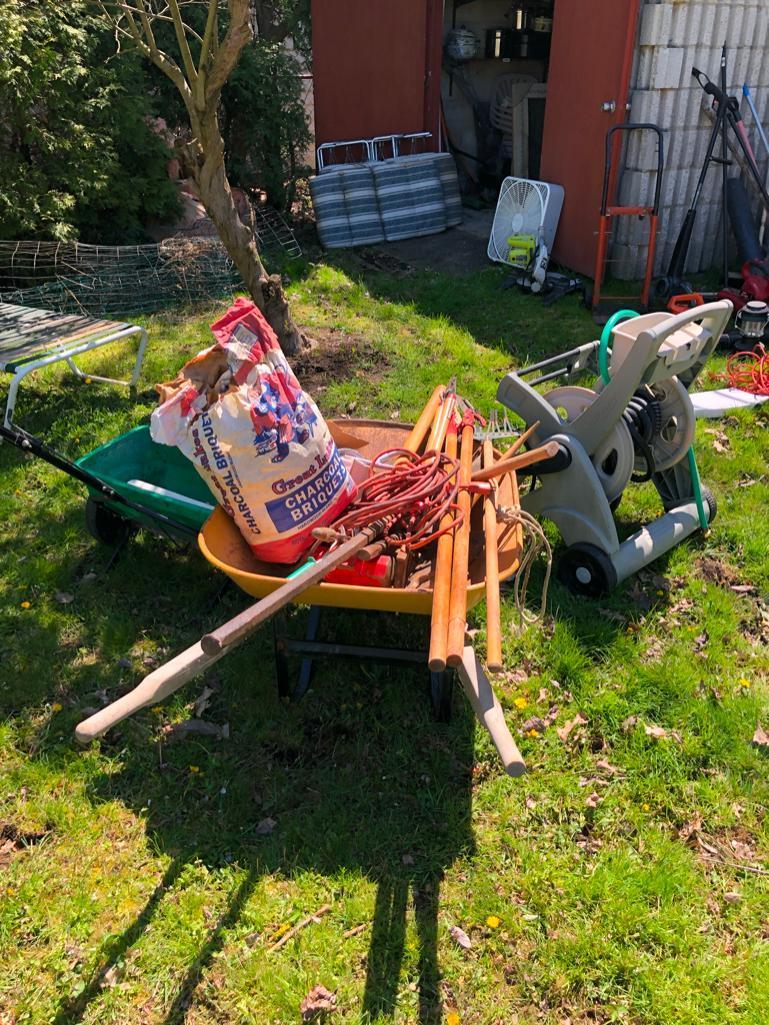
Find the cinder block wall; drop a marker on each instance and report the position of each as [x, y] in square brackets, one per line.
[672, 38]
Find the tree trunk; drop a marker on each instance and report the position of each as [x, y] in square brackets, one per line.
[237, 238]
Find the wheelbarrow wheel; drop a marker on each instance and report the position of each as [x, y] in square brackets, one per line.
[105, 525]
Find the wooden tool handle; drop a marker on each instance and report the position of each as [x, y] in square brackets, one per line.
[489, 711]
[439, 621]
[441, 423]
[520, 441]
[458, 602]
[534, 455]
[493, 612]
[154, 687]
[239, 626]
[425, 422]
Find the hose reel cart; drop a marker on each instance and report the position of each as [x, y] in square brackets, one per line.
[636, 423]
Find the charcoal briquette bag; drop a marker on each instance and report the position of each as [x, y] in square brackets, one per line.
[260, 442]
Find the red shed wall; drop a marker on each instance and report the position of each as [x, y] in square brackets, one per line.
[376, 67]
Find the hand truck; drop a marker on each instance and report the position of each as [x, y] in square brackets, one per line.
[608, 212]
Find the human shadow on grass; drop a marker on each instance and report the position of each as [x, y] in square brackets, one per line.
[358, 777]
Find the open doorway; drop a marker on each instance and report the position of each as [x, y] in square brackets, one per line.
[494, 89]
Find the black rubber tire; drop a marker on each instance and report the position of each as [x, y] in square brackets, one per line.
[441, 688]
[710, 498]
[598, 574]
[105, 525]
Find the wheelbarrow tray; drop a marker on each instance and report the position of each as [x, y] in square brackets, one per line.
[223, 545]
[135, 456]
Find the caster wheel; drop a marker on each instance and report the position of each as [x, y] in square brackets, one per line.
[106, 526]
[440, 695]
[710, 498]
[587, 570]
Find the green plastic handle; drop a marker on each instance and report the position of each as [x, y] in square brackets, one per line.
[603, 348]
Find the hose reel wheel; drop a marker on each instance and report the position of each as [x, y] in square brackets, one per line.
[677, 424]
[614, 458]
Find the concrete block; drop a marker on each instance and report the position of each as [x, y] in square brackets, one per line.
[645, 105]
[695, 24]
[738, 69]
[641, 153]
[643, 71]
[748, 26]
[655, 25]
[667, 64]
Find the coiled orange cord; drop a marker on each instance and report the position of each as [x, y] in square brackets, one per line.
[749, 371]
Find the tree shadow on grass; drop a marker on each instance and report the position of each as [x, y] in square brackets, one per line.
[498, 317]
[359, 779]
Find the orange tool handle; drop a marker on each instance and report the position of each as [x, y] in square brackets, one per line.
[420, 429]
[439, 621]
[493, 612]
[458, 602]
[441, 423]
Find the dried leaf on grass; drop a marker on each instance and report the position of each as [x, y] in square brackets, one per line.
[196, 727]
[760, 736]
[721, 441]
[266, 827]
[203, 700]
[460, 937]
[660, 733]
[318, 1003]
[14, 840]
[565, 731]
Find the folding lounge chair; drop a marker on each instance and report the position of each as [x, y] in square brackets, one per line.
[31, 339]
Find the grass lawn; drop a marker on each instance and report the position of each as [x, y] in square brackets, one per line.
[625, 879]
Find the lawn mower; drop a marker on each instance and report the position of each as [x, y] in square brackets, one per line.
[636, 423]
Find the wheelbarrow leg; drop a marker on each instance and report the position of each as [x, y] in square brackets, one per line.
[441, 687]
[282, 645]
[307, 665]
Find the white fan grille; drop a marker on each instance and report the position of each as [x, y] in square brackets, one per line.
[520, 211]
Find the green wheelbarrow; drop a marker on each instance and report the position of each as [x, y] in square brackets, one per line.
[131, 481]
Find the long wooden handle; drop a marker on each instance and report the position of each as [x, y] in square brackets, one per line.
[493, 612]
[155, 687]
[461, 557]
[425, 422]
[239, 626]
[503, 466]
[520, 441]
[441, 423]
[439, 621]
[489, 711]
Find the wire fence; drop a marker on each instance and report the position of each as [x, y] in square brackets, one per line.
[105, 281]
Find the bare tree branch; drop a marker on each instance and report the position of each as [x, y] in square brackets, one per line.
[239, 33]
[184, 46]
